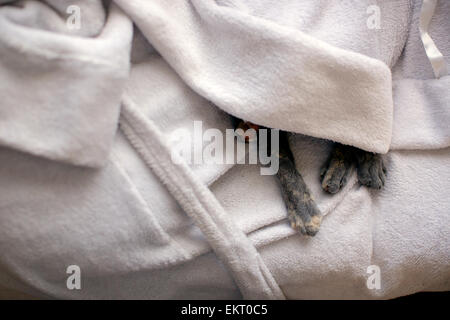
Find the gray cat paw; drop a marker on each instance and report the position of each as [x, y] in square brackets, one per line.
[371, 170]
[303, 213]
[336, 171]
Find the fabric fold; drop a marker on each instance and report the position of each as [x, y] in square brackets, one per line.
[287, 79]
[436, 58]
[61, 93]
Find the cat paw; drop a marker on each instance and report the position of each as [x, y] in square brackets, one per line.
[304, 215]
[309, 228]
[371, 170]
[336, 171]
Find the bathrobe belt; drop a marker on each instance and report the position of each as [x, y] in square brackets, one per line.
[230, 244]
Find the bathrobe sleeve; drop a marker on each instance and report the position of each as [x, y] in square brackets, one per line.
[61, 80]
[269, 74]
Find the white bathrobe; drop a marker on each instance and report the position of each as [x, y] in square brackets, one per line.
[86, 170]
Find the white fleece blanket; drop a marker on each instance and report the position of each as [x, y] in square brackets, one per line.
[76, 189]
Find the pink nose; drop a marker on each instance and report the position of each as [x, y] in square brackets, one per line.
[245, 125]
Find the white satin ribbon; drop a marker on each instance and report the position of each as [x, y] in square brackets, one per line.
[434, 55]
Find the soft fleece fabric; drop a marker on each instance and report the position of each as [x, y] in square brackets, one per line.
[75, 190]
